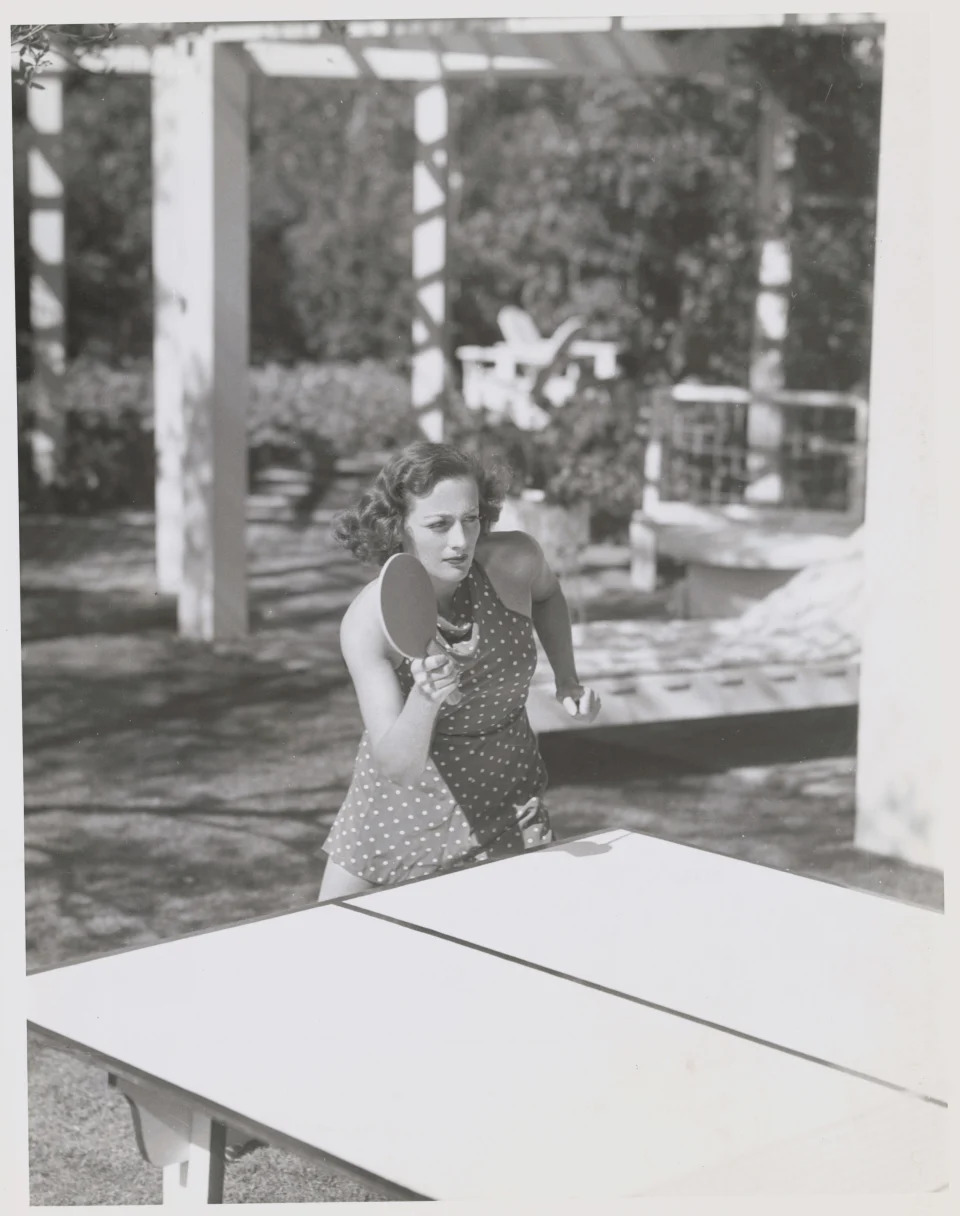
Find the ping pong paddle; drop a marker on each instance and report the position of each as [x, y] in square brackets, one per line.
[408, 610]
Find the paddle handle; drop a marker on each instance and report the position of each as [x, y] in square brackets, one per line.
[435, 648]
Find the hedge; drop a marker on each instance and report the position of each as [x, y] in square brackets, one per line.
[304, 417]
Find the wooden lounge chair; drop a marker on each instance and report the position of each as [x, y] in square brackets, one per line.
[797, 649]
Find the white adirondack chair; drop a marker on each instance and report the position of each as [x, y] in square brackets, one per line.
[526, 375]
[520, 332]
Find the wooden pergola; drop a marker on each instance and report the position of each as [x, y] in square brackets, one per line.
[200, 250]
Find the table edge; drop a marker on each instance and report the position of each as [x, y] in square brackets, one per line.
[223, 1114]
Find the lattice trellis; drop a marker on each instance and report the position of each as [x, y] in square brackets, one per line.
[706, 457]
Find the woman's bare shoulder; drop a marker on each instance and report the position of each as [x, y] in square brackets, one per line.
[361, 621]
[515, 554]
[517, 568]
[514, 564]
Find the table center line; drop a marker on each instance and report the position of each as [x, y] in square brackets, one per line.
[638, 1000]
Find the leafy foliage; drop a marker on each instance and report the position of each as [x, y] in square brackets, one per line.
[108, 218]
[304, 416]
[108, 441]
[34, 44]
[591, 451]
[331, 204]
[831, 84]
[628, 201]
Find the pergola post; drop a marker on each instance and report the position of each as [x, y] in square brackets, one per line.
[168, 121]
[897, 754]
[45, 172]
[428, 375]
[213, 213]
[776, 140]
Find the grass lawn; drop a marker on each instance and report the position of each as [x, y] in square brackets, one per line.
[173, 786]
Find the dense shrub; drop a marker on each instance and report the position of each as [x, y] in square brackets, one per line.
[306, 416]
[108, 458]
[354, 407]
[300, 417]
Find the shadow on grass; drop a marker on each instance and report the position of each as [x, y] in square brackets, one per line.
[56, 612]
[105, 879]
[332, 574]
[777, 789]
[185, 693]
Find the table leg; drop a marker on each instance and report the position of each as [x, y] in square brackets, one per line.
[199, 1179]
[188, 1146]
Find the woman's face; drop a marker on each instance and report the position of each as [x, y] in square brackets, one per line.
[442, 529]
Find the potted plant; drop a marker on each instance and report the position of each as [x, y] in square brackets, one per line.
[577, 479]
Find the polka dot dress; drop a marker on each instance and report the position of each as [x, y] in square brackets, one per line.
[484, 763]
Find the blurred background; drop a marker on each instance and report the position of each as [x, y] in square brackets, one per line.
[629, 202]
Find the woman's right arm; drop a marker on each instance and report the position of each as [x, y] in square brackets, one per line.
[400, 728]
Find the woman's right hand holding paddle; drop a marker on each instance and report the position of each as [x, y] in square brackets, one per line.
[436, 676]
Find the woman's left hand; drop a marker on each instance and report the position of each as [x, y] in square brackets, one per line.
[579, 702]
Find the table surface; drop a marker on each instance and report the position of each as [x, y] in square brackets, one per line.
[611, 1016]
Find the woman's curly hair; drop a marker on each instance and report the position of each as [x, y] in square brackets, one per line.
[373, 530]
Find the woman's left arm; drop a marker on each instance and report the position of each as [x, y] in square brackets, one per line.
[551, 620]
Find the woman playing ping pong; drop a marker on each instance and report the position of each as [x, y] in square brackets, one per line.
[443, 780]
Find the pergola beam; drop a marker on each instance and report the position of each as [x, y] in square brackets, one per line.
[394, 31]
[331, 61]
[460, 52]
[471, 46]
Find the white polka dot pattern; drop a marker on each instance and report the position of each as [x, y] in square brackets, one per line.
[484, 762]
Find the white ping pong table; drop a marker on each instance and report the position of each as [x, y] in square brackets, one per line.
[611, 1016]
